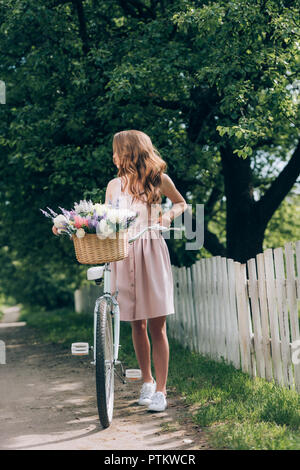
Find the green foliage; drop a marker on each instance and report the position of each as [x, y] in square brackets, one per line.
[285, 223]
[34, 282]
[255, 436]
[60, 326]
[233, 407]
[239, 412]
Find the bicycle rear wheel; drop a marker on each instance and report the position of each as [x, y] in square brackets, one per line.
[104, 363]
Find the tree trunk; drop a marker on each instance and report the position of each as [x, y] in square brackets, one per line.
[247, 219]
[245, 224]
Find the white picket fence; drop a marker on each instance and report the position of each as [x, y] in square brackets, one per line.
[244, 313]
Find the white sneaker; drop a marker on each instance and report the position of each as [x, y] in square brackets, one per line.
[147, 392]
[158, 403]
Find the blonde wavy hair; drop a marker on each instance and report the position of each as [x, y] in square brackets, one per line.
[140, 162]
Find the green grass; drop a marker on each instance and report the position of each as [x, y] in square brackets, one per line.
[61, 326]
[235, 411]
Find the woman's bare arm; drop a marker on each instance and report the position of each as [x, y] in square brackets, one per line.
[109, 192]
[169, 189]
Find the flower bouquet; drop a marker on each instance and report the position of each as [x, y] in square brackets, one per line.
[98, 231]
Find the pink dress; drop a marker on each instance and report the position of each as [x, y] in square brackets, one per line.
[144, 279]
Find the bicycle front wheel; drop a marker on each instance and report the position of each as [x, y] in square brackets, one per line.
[104, 363]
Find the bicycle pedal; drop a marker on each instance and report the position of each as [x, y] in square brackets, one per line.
[133, 374]
[80, 349]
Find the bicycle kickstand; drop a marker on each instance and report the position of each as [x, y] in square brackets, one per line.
[121, 377]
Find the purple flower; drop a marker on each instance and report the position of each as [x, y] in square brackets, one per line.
[65, 212]
[91, 221]
[54, 214]
[46, 214]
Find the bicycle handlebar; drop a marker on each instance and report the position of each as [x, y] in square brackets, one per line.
[154, 227]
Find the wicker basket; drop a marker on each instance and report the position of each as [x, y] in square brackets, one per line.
[93, 250]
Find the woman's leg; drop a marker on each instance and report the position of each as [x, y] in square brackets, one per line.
[142, 348]
[160, 351]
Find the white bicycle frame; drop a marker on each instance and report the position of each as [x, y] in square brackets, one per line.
[113, 298]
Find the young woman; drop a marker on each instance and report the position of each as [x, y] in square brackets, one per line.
[144, 279]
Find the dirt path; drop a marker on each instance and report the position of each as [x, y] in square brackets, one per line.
[47, 401]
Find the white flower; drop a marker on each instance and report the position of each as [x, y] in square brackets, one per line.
[59, 221]
[113, 216]
[80, 233]
[61, 230]
[100, 209]
[103, 230]
[119, 216]
[84, 207]
[125, 214]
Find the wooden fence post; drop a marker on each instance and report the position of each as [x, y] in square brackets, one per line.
[292, 304]
[256, 317]
[283, 314]
[264, 315]
[244, 321]
[273, 316]
[221, 308]
[233, 313]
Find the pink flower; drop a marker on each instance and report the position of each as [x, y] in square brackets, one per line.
[80, 221]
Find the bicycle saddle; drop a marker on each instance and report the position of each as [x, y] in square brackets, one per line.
[95, 273]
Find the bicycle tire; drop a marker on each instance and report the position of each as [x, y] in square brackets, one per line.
[104, 363]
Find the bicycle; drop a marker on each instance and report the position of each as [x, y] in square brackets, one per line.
[106, 337]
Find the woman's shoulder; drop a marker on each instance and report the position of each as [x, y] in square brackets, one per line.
[166, 181]
[112, 190]
[117, 178]
[114, 182]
